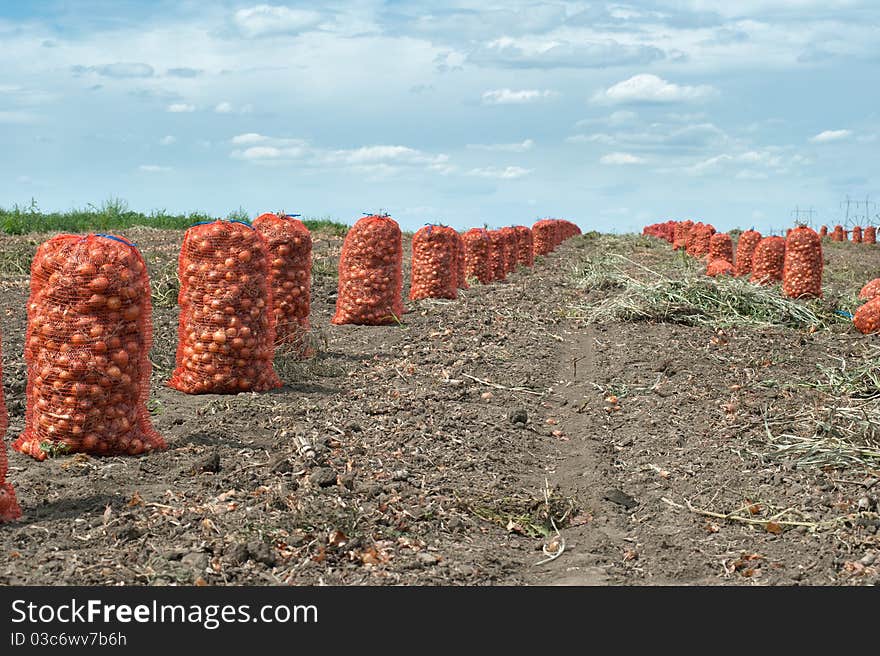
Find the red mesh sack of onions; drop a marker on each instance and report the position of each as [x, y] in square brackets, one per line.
[371, 273]
[768, 261]
[719, 267]
[701, 234]
[680, 233]
[88, 339]
[434, 263]
[498, 255]
[823, 231]
[544, 236]
[290, 276]
[869, 236]
[802, 270]
[857, 234]
[226, 330]
[461, 278]
[721, 247]
[870, 290]
[511, 250]
[478, 255]
[9, 509]
[867, 317]
[525, 246]
[745, 251]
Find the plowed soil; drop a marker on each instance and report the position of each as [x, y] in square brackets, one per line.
[467, 446]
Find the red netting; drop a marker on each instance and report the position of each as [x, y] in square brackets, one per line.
[477, 255]
[721, 247]
[9, 509]
[700, 235]
[867, 317]
[823, 231]
[718, 267]
[226, 331]
[870, 290]
[461, 278]
[870, 235]
[434, 263]
[768, 260]
[802, 272]
[511, 250]
[544, 236]
[87, 348]
[525, 246]
[290, 276]
[680, 233]
[498, 255]
[857, 234]
[745, 251]
[371, 273]
[839, 234]
[664, 231]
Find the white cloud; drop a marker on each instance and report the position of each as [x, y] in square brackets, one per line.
[249, 138]
[521, 147]
[268, 20]
[507, 173]
[612, 159]
[261, 152]
[179, 108]
[153, 168]
[511, 97]
[167, 140]
[648, 88]
[223, 108]
[831, 135]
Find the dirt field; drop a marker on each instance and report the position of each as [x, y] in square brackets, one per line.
[451, 449]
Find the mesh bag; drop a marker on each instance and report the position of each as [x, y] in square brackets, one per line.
[870, 235]
[680, 233]
[461, 278]
[701, 234]
[290, 276]
[226, 331]
[745, 251]
[839, 234]
[857, 234]
[718, 267]
[823, 231]
[768, 261]
[371, 273]
[434, 263]
[511, 250]
[525, 246]
[9, 509]
[544, 236]
[870, 290]
[802, 271]
[498, 255]
[721, 247]
[867, 317]
[87, 348]
[477, 255]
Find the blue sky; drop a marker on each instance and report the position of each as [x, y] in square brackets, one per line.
[612, 115]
